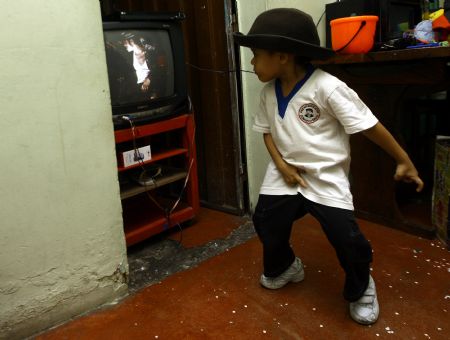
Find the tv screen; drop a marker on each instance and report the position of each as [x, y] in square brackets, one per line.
[146, 69]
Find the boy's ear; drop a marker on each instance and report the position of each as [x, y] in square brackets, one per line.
[285, 57]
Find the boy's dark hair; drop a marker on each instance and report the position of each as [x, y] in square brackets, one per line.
[298, 59]
[301, 60]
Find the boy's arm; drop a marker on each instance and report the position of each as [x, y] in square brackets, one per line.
[405, 168]
[290, 173]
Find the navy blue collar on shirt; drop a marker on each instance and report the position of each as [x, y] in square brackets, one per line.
[284, 101]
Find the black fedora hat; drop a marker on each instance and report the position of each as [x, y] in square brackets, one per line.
[285, 30]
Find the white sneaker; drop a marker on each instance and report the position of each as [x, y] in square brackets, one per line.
[294, 273]
[366, 310]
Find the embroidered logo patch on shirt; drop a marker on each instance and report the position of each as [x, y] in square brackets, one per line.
[309, 113]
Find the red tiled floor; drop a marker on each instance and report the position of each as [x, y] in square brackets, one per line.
[208, 225]
[221, 298]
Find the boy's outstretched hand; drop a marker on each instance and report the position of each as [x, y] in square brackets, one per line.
[405, 171]
[408, 173]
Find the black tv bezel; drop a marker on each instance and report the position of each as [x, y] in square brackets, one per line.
[160, 108]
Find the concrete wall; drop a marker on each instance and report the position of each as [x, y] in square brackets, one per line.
[62, 249]
[257, 155]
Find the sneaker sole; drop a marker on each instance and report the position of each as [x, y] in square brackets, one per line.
[367, 322]
[300, 276]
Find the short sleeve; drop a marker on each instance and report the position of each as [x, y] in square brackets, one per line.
[261, 119]
[350, 110]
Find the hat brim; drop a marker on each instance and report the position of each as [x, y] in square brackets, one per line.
[282, 44]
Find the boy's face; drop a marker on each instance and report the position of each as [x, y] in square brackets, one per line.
[266, 64]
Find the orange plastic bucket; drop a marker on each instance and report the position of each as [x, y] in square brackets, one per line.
[353, 34]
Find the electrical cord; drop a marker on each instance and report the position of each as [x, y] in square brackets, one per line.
[216, 71]
[235, 71]
[320, 19]
[141, 162]
[166, 210]
[188, 175]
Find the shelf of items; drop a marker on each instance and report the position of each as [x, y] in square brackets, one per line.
[154, 206]
[131, 189]
[156, 157]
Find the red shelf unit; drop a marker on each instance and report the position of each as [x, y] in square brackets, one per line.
[142, 218]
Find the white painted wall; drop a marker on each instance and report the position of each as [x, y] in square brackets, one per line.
[62, 245]
[257, 155]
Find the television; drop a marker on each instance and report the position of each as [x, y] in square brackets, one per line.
[146, 67]
[395, 16]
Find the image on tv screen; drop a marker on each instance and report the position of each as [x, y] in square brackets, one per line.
[140, 65]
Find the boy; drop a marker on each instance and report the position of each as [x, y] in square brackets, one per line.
[306, 116]
[139, 62]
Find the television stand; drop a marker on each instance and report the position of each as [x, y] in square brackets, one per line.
[168, 197]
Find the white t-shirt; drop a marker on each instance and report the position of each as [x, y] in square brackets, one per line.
[313, 135]
[142, 70]
[139, 62]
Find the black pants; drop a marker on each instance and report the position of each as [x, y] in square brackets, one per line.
[273, 219]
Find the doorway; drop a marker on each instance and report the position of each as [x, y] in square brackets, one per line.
[213, 89]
